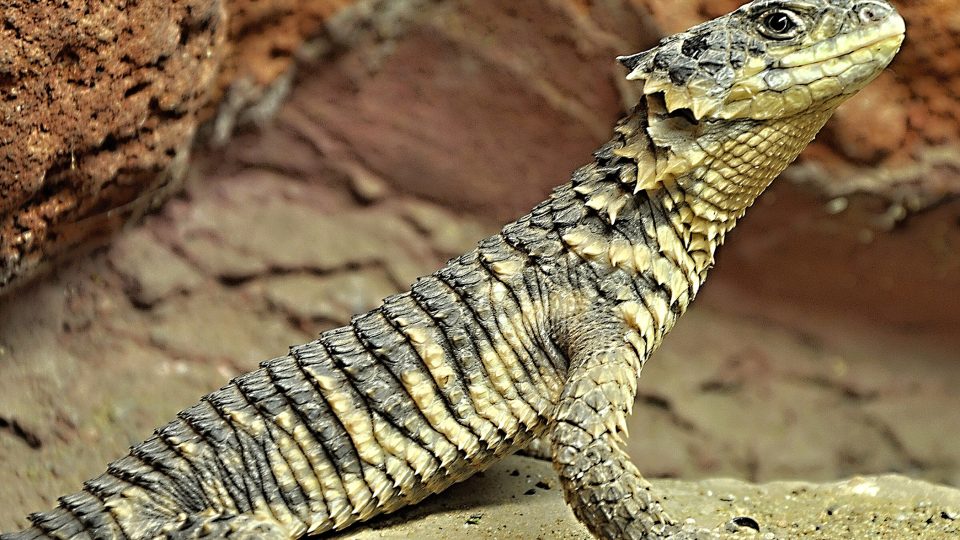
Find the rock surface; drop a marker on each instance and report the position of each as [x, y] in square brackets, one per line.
[99, 109]
[96, 125]
[520, 498]
[100, 104]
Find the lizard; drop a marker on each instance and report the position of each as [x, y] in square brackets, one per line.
[540, 331]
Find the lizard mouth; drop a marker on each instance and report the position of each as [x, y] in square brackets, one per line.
[879, 37]
[830, 69]
[839, 66]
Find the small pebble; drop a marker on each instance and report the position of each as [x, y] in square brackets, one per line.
[746, 521]
[838, 205]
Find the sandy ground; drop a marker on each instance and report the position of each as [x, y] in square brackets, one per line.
[519, 498]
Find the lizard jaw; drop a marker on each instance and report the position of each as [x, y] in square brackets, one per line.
[891, 31]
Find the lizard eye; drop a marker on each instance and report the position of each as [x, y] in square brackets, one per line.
[780, 24]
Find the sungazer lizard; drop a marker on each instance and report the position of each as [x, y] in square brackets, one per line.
[539, 331]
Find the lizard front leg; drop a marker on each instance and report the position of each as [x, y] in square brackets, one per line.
[606, 491]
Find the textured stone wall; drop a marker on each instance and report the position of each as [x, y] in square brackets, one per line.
[481, 106]
[100, 103]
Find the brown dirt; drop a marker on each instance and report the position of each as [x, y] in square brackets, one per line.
[519, 498]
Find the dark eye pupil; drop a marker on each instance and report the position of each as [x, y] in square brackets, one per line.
[779, 23]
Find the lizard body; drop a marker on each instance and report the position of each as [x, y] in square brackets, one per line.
[541, 330]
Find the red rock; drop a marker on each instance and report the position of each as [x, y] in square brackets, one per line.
[99, 107]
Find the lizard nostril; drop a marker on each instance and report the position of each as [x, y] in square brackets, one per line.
[870, 12]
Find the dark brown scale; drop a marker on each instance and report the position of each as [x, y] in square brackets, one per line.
[262, 394]
[387, 394]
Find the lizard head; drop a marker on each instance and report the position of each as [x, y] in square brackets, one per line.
[742, 95]
[771, 58]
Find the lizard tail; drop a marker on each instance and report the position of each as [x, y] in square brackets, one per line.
[92, 513]
[62, 523]
[81, 514]
[58, 523]
[406, 400]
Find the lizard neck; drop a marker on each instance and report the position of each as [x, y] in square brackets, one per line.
[647, 216]
[701, 176]
[736, 166]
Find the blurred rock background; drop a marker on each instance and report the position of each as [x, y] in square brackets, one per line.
[279, 165]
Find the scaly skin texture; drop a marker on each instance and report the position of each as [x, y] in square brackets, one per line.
[541, 330]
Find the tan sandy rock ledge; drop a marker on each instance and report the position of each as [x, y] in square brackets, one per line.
[521, 498]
